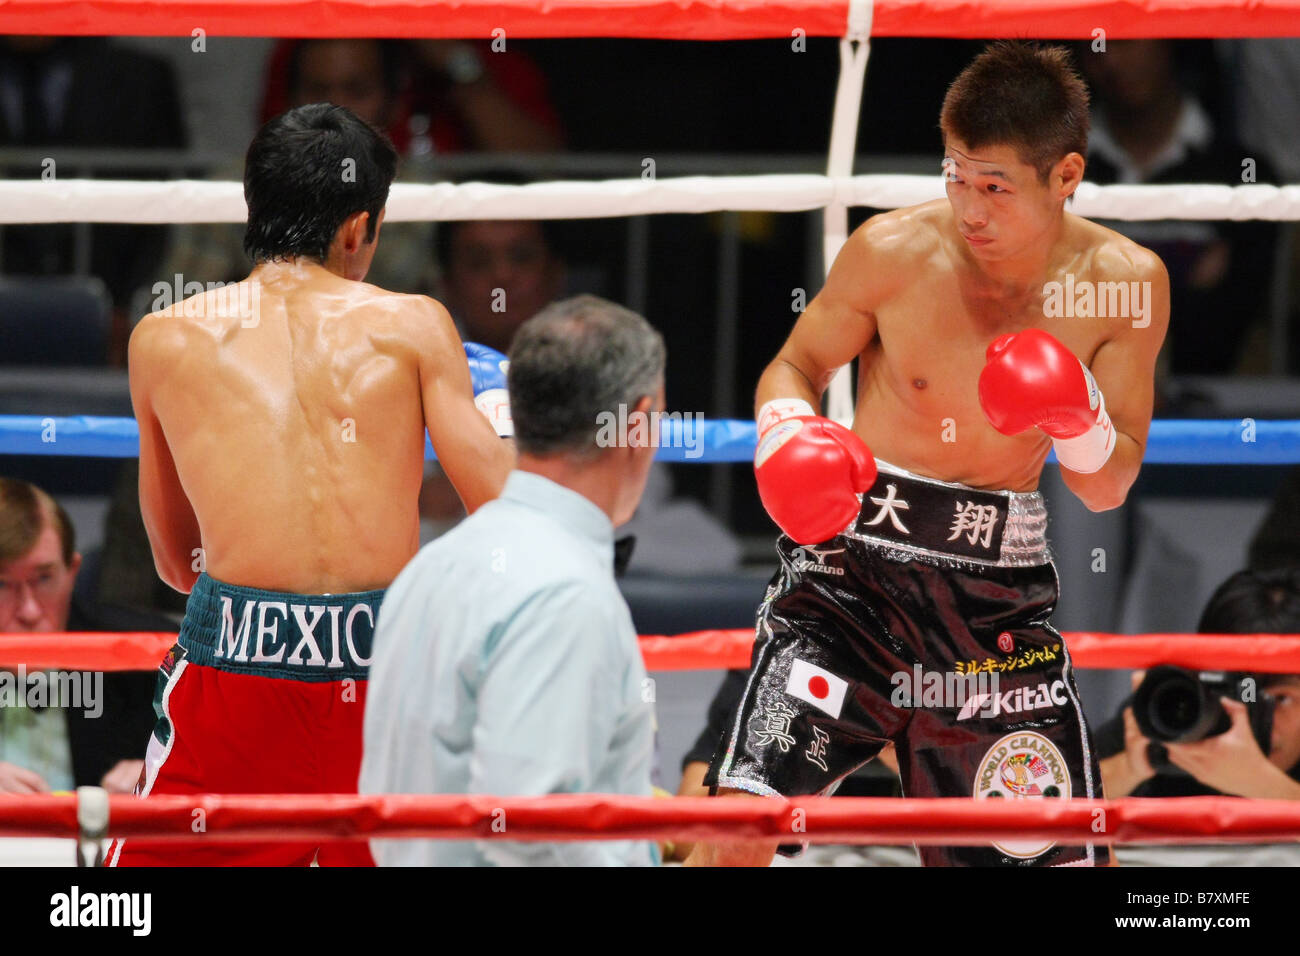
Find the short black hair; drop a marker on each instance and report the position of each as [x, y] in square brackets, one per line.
[306, 171]
[1255, 602]
[1028, 96]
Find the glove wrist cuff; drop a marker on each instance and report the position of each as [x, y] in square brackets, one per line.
[1089, 452]
[779, 409]
[494, 403]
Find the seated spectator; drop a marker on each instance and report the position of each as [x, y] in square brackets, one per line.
[51, 748]
[69, 92]
[448, 96]
[497, 274]
[369, 78]
[1148, 127]
[505, 661]
[1249, 602]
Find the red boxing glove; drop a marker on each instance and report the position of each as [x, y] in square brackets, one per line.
[810, 471]
[1032, 380]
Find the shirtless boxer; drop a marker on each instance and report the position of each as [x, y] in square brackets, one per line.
[282, 431]
[931, 556]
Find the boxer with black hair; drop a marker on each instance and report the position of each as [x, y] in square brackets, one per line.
[915, 540]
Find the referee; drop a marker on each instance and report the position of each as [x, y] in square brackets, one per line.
[505, 660]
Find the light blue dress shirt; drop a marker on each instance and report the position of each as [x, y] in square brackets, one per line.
[506, 663]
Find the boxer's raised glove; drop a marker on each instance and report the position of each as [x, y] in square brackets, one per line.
[487, 370]
[1032, 380]
[810, 470]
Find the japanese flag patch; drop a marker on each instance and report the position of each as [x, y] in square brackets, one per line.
[817, 686]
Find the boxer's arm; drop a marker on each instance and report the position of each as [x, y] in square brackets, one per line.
[1124, 367]
[839, 322]
[169, 517]
[471, 454]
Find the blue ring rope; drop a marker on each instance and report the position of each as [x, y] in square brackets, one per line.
[1171, 442]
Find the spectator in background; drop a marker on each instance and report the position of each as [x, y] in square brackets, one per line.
[59, 747]
[1249, 602]
[70, 92]
[368, 77]
[497, 274]
[1266, 97]
[1147, 127]
[1266, 106]
[462, 96]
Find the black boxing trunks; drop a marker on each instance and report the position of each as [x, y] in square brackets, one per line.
[925, 623]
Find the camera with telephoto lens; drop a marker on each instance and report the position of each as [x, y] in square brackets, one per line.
[1173, 705]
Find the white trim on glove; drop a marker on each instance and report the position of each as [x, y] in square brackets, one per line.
[779, 409]
[1089, 452]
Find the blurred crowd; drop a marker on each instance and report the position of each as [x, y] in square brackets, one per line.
[1164, 112]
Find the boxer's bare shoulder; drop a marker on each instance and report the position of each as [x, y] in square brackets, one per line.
[893, 249]
[1103, 287]
[1111, 255]
[293, 405]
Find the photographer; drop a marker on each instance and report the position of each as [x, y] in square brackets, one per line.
[1231, 762]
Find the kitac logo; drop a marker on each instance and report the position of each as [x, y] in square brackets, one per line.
[992, 703]
[102, 909]
[1023, 766]
[72, 690]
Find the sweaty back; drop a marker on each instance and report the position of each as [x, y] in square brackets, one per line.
[297, 430]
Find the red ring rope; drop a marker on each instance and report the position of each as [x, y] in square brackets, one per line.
[601, 816]
[662, 19]
[713, 650]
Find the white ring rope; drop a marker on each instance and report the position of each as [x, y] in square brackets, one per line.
[189, 201]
